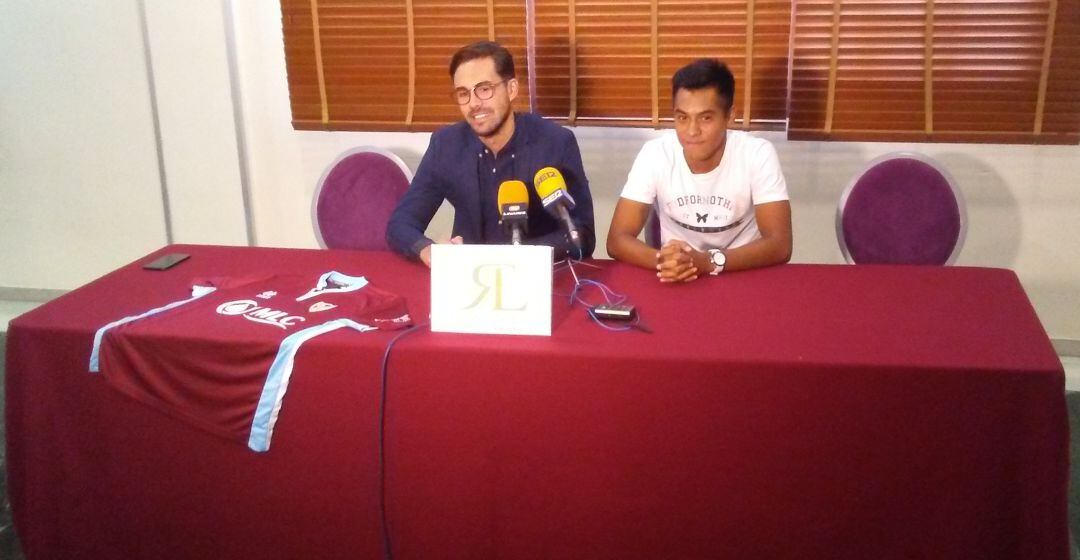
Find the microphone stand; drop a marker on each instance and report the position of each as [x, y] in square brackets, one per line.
[568, 264]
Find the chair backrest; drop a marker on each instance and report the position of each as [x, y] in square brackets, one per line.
[652, 229]
[355, 197]
[902, 209]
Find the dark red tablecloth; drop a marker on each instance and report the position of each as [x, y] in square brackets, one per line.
[793, 412]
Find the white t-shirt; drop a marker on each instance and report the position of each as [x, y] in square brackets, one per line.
[713, 210]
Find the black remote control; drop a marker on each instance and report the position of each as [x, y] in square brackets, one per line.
[614, 312]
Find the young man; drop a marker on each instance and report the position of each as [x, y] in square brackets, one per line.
[466, 162]
[720, 195]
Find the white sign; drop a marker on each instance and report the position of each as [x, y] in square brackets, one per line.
[493, 289]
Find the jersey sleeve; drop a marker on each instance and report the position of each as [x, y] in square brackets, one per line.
[381, 309]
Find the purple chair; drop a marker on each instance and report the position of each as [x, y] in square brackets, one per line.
[652, 229]
[902, 209]
[355, 197]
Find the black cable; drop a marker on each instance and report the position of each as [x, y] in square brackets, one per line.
[387, 551]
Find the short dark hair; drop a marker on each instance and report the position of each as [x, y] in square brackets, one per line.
[705, 73]
[504, 61]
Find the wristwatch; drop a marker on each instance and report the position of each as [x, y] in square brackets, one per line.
[718, 259]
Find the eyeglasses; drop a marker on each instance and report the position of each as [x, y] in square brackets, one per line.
[482, 91]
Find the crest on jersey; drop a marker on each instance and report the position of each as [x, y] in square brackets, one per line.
[320, 306]
[334, 283]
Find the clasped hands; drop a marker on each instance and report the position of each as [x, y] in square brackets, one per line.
[677, 261]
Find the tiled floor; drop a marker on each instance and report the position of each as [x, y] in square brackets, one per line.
[12, 309]
[1072, 372]
[9, 545]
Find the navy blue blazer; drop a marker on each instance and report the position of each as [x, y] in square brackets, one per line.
[449, 171]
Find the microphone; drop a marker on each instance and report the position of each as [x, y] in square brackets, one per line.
[551, 188]
[514, 208]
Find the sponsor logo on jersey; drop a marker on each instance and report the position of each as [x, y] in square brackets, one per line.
[402, 319]
[267, 295]
[252, 311]
[320, 306]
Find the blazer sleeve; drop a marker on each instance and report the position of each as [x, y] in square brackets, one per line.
[405, 230]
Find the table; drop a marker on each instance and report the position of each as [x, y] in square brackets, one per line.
[799, 411]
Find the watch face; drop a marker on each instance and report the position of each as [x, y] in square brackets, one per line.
[718, 258]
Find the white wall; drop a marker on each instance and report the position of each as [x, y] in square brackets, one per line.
[1022, 200]
[80, 175]
[198, 124]
[79, 186]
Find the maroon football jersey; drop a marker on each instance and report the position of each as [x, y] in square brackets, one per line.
[222, 358]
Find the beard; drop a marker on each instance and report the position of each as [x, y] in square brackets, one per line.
[492, 126]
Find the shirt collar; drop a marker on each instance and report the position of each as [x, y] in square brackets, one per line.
[522, 136]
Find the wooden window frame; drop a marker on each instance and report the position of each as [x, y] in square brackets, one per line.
[382, 66]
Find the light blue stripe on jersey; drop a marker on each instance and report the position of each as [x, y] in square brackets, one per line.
[277, 380]
[197, 292]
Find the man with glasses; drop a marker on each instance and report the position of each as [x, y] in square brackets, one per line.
[466, 162]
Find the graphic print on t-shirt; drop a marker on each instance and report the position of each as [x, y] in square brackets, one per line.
[702, 213]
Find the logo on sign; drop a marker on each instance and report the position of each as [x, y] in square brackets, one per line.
[489, 279]
[252, 311]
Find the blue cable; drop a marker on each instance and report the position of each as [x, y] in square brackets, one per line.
[611, 297]
[387, 551]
